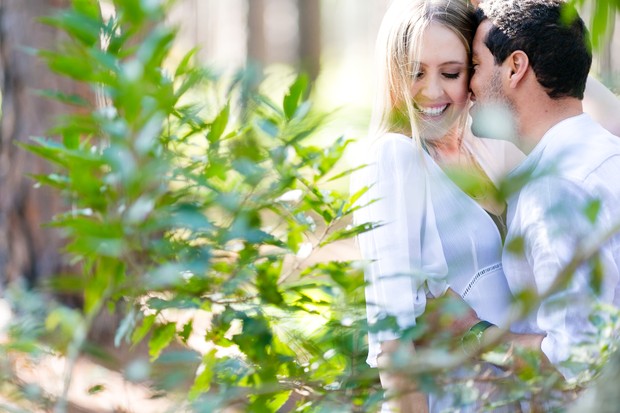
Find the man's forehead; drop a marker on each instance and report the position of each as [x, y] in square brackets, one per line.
[483, 29]
[481, 35]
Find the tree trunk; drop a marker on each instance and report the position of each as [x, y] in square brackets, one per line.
[256, 32]
[606, 69]
[309, 51]
[27, 251]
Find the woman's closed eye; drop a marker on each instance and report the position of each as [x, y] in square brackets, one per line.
[452, 75]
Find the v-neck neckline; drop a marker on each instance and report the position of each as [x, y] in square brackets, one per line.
[454, 186]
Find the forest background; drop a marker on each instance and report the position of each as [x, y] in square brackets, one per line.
[201, 255]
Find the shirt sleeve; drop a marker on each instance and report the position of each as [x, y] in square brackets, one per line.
[554, 225]
[405, 255]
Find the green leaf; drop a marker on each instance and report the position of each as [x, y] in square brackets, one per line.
[126, 326]
[256, 337]
[600, 22]
[187, 331]
[294, 237]
[202, 384]
[348, 232]
[162, 337]
[185, 65]
[268, 127]
[219, 124]
[141, 332]
[267, 276]
[155, 47]
[65, 318]
[67, 283]
[597, 273]
[132, 11]
[46, 151]
[180, 303]
[78, 25]
[69, 99]
[276, 401]
[516, 246]
[592, 210]
[88, 8]
[71, 140]
[346, 173]
[53, 180]
[70, 65]
[294, 96]
[350, 205]
[97, 388]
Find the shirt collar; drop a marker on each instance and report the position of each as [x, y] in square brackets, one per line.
[556, 131]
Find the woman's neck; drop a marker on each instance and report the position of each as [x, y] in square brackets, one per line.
[448, 149]
[457, 161]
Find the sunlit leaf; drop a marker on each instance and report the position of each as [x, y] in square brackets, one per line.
[219, 125]
[203, 381]
[162, 337]
[295, 95]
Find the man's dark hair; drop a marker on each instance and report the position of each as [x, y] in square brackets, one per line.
[552, 35]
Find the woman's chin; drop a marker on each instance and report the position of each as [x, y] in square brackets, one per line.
[434, 133]
[439, 127]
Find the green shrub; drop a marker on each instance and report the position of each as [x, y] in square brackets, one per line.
[178, 205]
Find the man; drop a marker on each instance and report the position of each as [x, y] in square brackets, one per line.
[533, 62]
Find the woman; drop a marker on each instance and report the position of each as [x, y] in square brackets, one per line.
[439, 229]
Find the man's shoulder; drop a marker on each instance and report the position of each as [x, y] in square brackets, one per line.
[579, 151]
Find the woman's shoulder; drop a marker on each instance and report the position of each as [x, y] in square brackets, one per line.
[393, 145]
[391, 139]
[390, 153]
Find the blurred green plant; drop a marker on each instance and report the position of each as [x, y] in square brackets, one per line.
[603, 15]
[177, 205]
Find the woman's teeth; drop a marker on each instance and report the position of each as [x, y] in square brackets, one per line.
[436, 111]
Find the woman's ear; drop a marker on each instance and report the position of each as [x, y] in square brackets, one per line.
[518, 64]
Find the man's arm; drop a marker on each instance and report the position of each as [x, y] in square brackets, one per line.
[494, 335]
[516, 342]
[552, 222]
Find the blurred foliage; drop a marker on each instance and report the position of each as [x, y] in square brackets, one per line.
[191, 195]
[603, 13]
[182, 205]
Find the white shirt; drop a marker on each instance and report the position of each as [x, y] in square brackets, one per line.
[432, 236]
[575, 166]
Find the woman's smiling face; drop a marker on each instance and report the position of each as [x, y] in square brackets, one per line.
[440, 87]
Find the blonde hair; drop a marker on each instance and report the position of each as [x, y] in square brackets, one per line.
[398, 50]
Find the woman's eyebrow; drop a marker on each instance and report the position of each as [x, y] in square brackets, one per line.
[454, 62]
[451, 62]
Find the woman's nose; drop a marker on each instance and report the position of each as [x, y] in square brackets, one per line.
[432, 89]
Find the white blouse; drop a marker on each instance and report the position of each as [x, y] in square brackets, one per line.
[432, 235]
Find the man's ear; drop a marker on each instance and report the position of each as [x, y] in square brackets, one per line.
[518, 64]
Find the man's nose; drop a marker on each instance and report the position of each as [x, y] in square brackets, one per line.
[470, 85]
